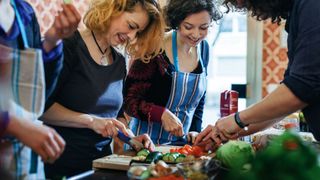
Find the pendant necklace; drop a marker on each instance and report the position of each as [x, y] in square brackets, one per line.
[104, 58]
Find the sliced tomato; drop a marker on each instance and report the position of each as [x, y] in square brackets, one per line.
[187, 146]
[173, 150]
[197, 151]
[183, 151]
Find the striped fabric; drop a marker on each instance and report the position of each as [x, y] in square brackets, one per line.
[22, 94]
[186, 92]
[24, 84]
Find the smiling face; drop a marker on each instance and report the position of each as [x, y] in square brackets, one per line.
[125, 27]
[194, 28]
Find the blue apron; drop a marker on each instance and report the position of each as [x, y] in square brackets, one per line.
[186, 91]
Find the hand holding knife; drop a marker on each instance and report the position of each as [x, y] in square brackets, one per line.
[132, 142]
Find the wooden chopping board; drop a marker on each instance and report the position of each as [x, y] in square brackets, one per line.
[114, 161]
[122, 162]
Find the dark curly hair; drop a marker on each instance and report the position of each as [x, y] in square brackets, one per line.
[276, 10]
[177, 10]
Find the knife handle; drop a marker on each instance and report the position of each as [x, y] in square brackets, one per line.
[123, 137]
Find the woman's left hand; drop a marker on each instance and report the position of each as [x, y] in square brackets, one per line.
[146, 141]
[64, 25]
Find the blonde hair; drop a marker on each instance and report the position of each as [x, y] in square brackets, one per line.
[148, 43]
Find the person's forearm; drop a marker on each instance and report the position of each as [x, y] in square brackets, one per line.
[49, 45]
[279, 103]
[61, 116]
[253, 128]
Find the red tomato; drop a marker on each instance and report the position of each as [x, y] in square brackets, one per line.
[173, 150]
[187, 146]
[197, 151]
[183, 151]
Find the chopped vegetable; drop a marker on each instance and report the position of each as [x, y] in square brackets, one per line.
[180, 158]
[153, 156]
[189, 150]
[139, 158]
[143, 152]
[169, 177]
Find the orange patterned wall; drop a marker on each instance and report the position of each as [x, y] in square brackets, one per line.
[46, 9]
[274, 56]
[275, 59]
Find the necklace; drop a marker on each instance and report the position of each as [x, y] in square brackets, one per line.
[104, 58]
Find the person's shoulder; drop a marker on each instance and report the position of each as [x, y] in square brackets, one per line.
[307, 6]
[25, 7]
[26, 11]
[142, 65]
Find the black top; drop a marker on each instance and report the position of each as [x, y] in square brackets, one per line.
[86, 87]
[302, 76]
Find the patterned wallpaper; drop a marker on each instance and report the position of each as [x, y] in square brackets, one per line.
[46, 9]
[274, 56]
[275, 59]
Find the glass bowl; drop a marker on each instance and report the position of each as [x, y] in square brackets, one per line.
[135, 170]
[200, 169]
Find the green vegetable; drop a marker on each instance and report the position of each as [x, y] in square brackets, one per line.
[165, 157]
[153, 156]
[173, 157]
[143, 152]
[145, 174]
[235, 154]
[180, 158]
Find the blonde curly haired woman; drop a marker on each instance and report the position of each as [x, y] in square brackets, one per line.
[86, 103]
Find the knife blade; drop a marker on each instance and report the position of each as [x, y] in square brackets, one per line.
[129, 140]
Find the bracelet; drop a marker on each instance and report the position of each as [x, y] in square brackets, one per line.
[4, 122]
[239, 122]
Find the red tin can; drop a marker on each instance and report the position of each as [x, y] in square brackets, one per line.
[228, 102]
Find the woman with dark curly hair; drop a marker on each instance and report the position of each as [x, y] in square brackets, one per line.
[166, 95]
[300, 88]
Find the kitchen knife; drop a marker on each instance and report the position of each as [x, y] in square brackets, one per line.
[129, 140]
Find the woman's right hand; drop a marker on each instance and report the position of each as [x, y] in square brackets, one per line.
[45, 141]
[107, 126]
[172, 123]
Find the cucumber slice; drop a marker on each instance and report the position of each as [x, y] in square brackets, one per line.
[154, 156]
[143, 152]
[180, 158]
[166, 157]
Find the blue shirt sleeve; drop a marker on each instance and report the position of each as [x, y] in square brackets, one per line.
[54, 54]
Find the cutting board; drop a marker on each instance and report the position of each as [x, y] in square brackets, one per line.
[114, 161]
[122, 162]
